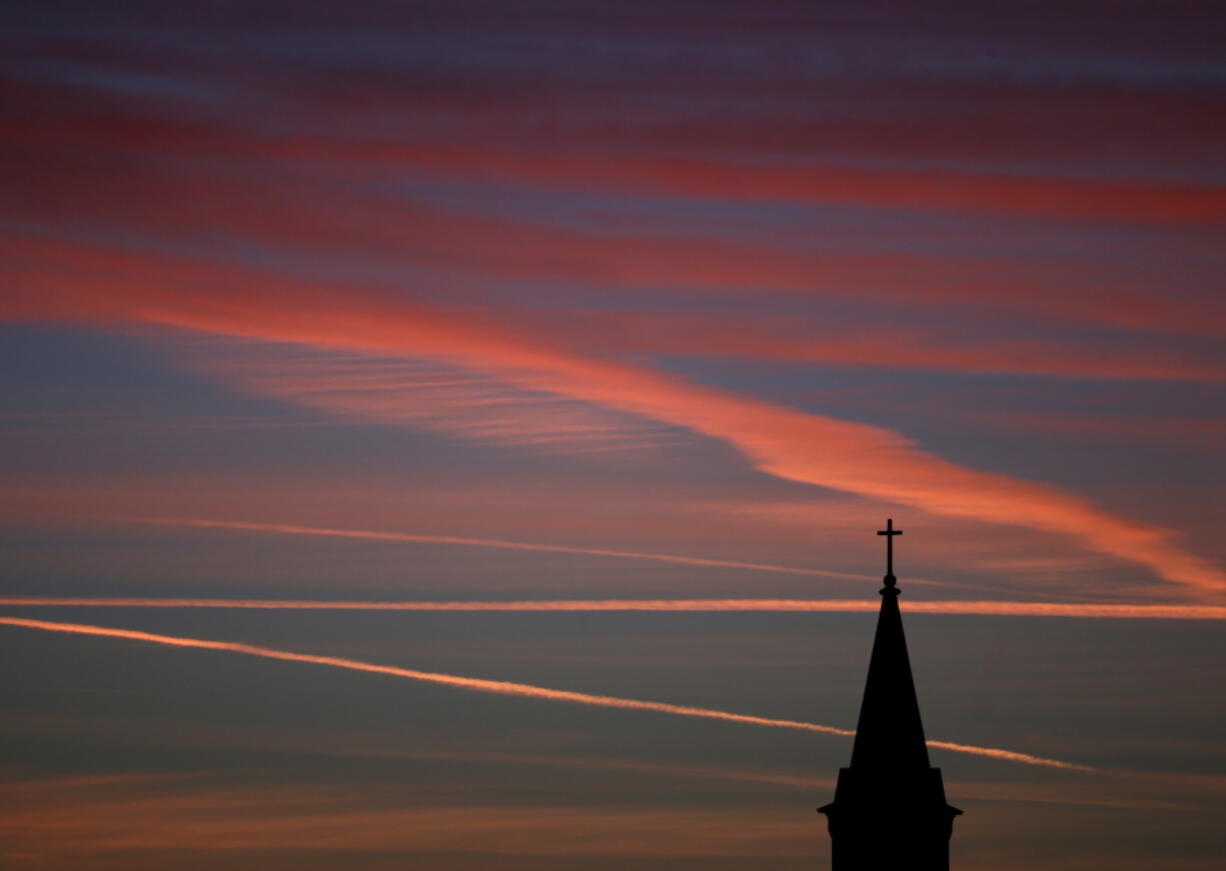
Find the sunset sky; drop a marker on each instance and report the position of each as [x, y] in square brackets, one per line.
[528, 380]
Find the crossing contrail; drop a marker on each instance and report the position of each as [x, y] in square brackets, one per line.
[372, 535]
[504, 687]
[987, 608]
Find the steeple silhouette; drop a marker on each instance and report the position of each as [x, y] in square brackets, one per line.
[889, 809]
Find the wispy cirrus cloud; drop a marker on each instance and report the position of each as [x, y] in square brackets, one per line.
[244, 183]
[780, 441]
[67, 822]
[991, 233]
[393, 238]
[888, 346]
[428, 395]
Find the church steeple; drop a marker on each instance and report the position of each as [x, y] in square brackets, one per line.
[889, 809]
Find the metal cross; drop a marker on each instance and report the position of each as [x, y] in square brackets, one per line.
[889, 532]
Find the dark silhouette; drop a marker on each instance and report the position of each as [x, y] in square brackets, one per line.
[889, 809]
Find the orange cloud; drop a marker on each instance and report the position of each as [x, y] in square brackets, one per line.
[882, 345]
[48, 119]
[400, 232]
[930, 189]
[52, 817]
[780, 441]
[504, 687]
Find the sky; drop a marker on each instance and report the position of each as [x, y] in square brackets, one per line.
[452, 434]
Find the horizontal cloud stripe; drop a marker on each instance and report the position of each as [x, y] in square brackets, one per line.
[985, 608]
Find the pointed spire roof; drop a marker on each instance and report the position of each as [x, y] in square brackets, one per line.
[889, 808]
[889, 734]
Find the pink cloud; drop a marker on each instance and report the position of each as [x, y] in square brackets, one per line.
[777, 440]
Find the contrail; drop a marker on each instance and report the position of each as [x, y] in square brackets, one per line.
[504, 687]
[1003, 609]
[290, 529]
[371, 535]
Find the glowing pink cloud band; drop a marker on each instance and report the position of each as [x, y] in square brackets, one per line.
[503, 687]
[783, 442]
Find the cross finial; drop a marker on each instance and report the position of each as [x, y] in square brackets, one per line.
[889, 532]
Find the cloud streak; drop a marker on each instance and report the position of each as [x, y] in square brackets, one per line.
[428, 395]
[504, 687]
[954, 607]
